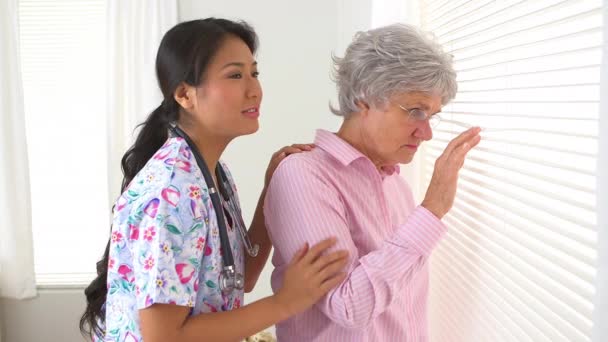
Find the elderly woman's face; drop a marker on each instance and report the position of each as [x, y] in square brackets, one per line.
[392, 135]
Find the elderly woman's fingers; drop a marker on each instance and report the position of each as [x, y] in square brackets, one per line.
[464, 149]
[462, 138]
[440, 194]
[461, 152]
[457, 149]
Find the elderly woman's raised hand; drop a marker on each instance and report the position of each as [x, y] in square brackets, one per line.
[442, 189]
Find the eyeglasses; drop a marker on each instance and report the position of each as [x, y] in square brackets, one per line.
[419, 115]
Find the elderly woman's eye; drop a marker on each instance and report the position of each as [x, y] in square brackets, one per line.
[418, 114]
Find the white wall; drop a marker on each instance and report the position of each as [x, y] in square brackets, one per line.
[297, 39]
[52, 316]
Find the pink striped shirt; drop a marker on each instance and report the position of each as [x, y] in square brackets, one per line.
[335, 190]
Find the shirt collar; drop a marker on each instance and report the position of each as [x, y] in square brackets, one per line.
[344, 152]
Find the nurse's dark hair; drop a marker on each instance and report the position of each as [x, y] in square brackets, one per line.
[183, 56]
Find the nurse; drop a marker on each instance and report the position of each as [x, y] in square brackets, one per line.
[159, 279]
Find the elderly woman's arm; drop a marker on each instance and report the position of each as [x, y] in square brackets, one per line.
[302, 207]
[257, 230]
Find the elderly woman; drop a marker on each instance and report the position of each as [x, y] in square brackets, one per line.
[392, 82]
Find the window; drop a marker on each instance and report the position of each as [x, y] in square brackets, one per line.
[518, 263]
[63, 65]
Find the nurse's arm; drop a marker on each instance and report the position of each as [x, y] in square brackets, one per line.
[258, 235]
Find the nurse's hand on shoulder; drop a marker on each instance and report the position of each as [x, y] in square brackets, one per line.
[310, 275]
[442, 188]
[279, 155]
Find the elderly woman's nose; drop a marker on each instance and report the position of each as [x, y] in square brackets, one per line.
[424, 131]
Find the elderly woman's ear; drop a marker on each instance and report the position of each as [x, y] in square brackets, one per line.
[362, 105]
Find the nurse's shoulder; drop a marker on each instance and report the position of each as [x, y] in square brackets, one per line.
[171, 172]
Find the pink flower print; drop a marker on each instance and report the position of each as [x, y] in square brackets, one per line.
[184, 272]
[196, 285]
[195, 192]
[237, 304]
[149, 233]
[183, 165]
[111, 263]
[116, 237]
[208, 251]
[121, 203]
[200, 243]
[162, 154]
[125, 271]
[134, 232]
[152, 208]
[211, 307]
[149, 263]
[170, 195]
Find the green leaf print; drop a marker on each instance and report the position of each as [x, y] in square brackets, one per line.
[210, 284]
[194, 262]
[125, 284]
[113, 289]
[195, 227]
[173, 229]
[132, 193]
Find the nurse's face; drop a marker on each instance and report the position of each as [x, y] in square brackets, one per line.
[228, 100]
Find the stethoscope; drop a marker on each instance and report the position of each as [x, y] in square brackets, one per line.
[230, 279]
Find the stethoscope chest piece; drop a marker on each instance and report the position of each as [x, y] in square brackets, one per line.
[231, 280]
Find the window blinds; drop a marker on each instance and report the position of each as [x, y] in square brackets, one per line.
[519, 261]
[62, 46]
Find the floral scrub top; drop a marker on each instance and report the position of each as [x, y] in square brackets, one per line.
[165, 245]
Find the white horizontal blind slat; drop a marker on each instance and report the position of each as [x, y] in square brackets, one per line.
[63, 65]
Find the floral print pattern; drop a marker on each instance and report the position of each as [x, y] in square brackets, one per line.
[164, 245]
